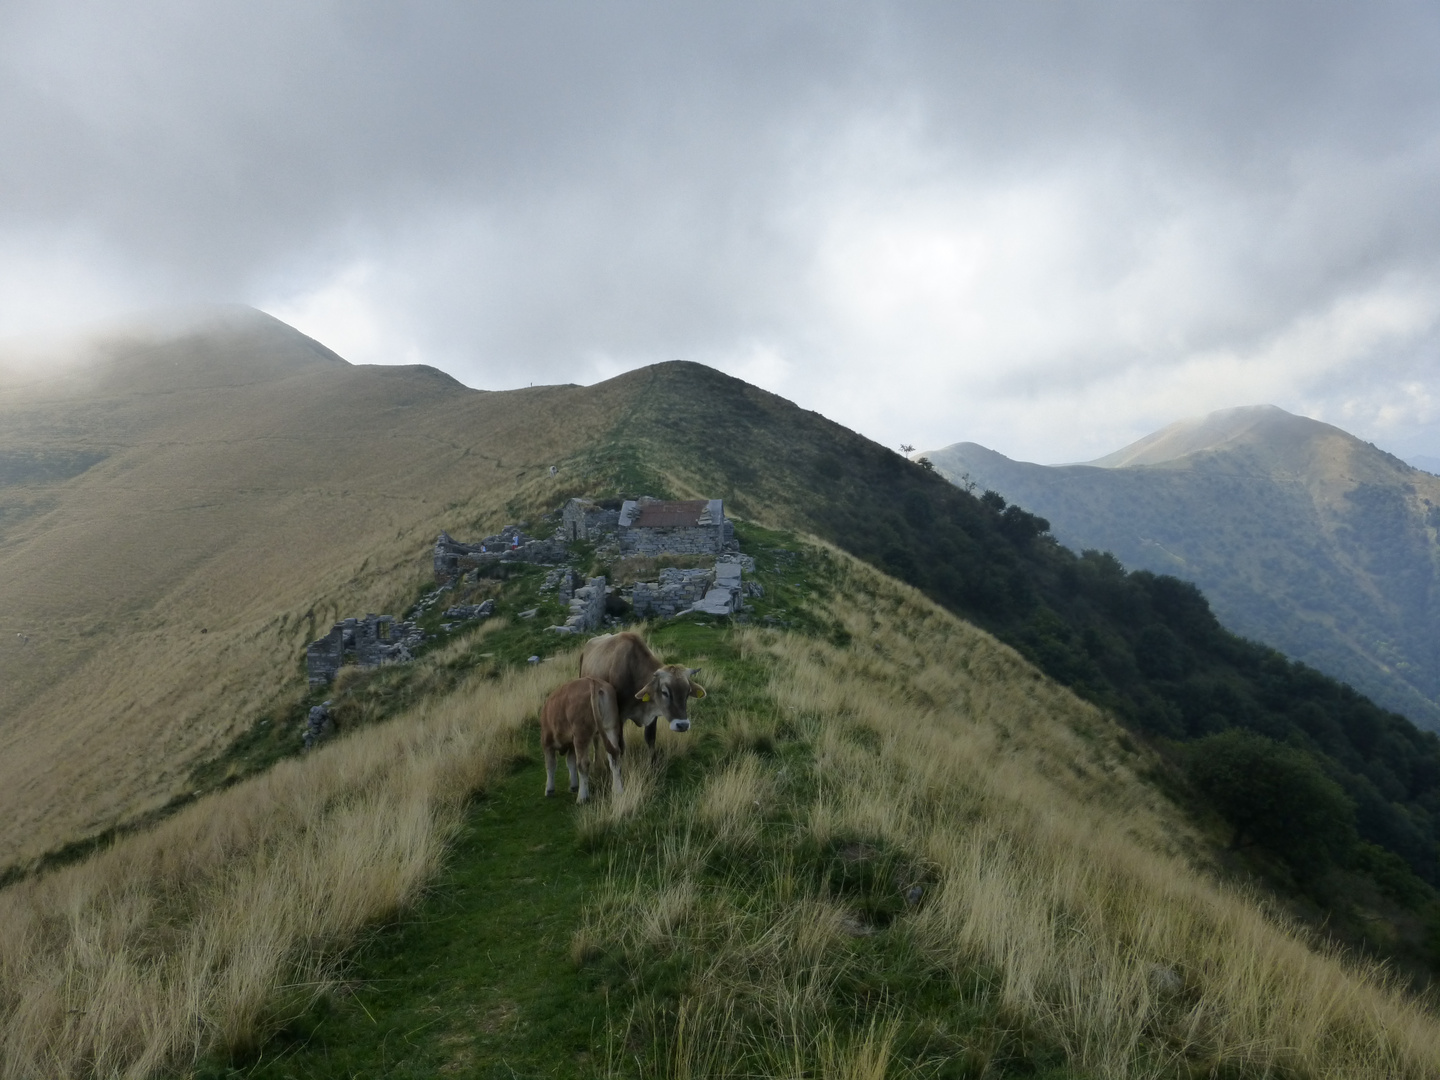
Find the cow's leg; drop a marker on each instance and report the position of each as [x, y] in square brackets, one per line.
[615, 772]
[574, 773]
[549, 771]
[582, 761]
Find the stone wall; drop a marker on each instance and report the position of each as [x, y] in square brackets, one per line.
[582, 519]
[675, 592]
[371, 641]
[509, 545]
[587, 609]
[673, 540]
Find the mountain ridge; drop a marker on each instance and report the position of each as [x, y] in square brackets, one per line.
[1294, 528]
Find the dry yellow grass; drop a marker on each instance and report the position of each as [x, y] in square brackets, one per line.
[1049, 864]
[254, 491]
[1046, 862]
[196, 933]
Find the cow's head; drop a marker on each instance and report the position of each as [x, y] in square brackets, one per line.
[667, 696]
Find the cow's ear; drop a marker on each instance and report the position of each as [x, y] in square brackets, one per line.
[644, 695]
[696, 690]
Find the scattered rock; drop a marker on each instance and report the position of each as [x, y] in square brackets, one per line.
[319, 726]
[471, 611]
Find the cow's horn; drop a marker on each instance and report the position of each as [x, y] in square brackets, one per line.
[693, 672]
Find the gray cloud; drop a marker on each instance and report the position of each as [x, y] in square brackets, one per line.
[1043, 226]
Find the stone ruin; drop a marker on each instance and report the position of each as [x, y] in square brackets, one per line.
[510, 544]
[644, 527]
[712, 591]
[370, 642]
[657, 527]
[587, 608]
[582, 519]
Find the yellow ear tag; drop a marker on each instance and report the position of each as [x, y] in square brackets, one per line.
[644, 697]
[696, 690]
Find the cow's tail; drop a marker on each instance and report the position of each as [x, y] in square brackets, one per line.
[599, 691]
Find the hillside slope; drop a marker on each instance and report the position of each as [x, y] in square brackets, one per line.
[317, 491]
[782, 891]
[183, 511]
[1301, 535]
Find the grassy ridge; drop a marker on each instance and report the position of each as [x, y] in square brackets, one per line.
[892, 857]
[1146, 647]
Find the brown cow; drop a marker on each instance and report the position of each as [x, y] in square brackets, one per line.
[572, 716]
[648, 689]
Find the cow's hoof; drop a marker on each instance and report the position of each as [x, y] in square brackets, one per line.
[550, 793]
[575, 789]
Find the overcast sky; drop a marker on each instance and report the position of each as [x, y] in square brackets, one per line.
[1046, 227]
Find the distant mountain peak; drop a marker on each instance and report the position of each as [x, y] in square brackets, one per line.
[1253, 424]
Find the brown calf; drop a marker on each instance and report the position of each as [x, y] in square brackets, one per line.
[571, 718]
[648, 689]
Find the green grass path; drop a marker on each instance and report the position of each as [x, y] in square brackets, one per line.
[477, 980]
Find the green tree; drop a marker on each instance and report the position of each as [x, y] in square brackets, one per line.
[1274, 797]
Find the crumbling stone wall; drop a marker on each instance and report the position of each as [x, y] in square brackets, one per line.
[583, 519]
[676, 591]
[509, 545]
[587, 609]
[372, 641]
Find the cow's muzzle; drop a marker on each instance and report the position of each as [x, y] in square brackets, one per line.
[679, 725]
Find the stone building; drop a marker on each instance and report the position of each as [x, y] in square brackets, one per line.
[657, 527]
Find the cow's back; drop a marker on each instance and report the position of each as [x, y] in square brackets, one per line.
[623, 660]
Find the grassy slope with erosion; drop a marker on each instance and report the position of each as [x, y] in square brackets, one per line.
[1145, 646]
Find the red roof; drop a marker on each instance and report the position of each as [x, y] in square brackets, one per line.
[659, 515]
